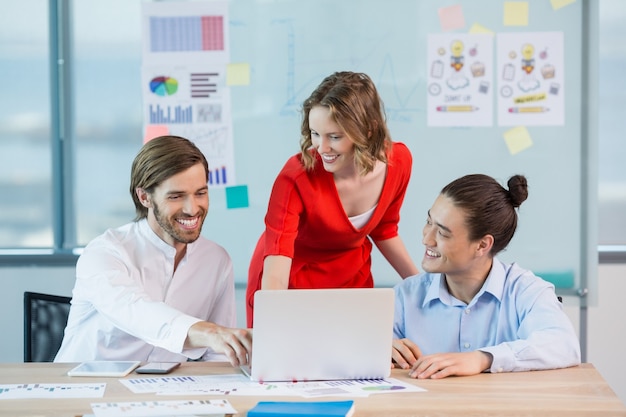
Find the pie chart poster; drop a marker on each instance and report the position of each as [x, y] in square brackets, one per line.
[193, 102]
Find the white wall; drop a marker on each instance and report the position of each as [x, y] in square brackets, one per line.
[607, 328]
[606, 332]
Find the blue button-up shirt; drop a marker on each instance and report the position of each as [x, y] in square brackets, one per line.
[516, 317]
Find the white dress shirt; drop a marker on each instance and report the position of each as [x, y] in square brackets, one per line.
[129, 304]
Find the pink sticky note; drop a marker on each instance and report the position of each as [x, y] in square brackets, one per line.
[152, 131]
[451, 17]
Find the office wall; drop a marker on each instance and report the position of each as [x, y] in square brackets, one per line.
[292, 45]
[607, 329]
[606, 332]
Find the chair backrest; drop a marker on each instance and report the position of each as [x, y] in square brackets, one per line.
[45, 318]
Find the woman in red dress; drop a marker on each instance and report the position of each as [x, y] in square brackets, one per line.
[345, 187]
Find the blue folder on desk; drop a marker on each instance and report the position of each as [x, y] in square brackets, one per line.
[302, 408]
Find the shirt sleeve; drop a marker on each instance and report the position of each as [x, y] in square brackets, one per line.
[398, 317]
[283, 213]
[113, 288]
[224, 311]
[546, 337]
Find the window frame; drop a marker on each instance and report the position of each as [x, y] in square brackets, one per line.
[65, 251]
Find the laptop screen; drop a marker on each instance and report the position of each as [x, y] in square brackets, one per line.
[322, 334]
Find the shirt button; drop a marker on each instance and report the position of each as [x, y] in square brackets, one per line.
[500, 370]
[467, 311]
[466, 345]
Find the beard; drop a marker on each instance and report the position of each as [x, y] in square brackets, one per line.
[173, 228]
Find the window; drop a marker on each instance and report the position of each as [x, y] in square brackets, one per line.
[107, 111]
[104, 120]
[612, 123]
[103, 54]
[25, 126]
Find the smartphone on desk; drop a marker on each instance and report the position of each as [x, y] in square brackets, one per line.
[157, 368]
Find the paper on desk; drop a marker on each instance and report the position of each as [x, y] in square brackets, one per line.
[240, 385]
[162, 408]
[196, 384]
[350, 388]
[21, 391]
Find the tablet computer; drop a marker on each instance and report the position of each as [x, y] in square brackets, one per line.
[104, 368]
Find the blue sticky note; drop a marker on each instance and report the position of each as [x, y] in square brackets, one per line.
[560, 279]
[237, 197]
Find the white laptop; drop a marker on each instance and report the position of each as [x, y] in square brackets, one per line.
[321, 334]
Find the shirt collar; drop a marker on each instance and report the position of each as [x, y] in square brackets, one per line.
[149, 234]
[436, 290]
[494, 285]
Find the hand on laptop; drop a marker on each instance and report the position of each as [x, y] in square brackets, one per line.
[404, 353]
[236, 344]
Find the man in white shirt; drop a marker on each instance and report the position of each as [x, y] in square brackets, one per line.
[155, 289]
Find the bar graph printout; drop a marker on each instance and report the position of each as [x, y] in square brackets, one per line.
[185, 56]
[23, 391]
[240, 385]
[162, 408]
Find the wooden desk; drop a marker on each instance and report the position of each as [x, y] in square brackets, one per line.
[578, 391]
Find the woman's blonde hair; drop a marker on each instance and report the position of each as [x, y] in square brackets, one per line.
[356, 107]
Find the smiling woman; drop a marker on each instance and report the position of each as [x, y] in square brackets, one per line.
[345, 187]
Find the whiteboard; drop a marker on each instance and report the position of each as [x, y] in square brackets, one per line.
[292, 45]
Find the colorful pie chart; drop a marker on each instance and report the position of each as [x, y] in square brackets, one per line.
[163, 86]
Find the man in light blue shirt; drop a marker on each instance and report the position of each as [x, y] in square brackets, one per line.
[469, 312]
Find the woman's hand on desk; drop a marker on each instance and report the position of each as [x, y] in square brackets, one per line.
[236, 344]
[404, 353]
[441, 365]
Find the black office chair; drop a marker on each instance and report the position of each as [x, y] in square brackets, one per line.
[45, 318]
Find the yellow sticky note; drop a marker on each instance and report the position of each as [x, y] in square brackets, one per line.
[557, 4]
[451, 17]
[517, 139]
[153, 131]
[478, 28]
[515, 13]
[238, 74]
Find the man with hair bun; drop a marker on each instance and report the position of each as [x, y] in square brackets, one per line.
[469, 312]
